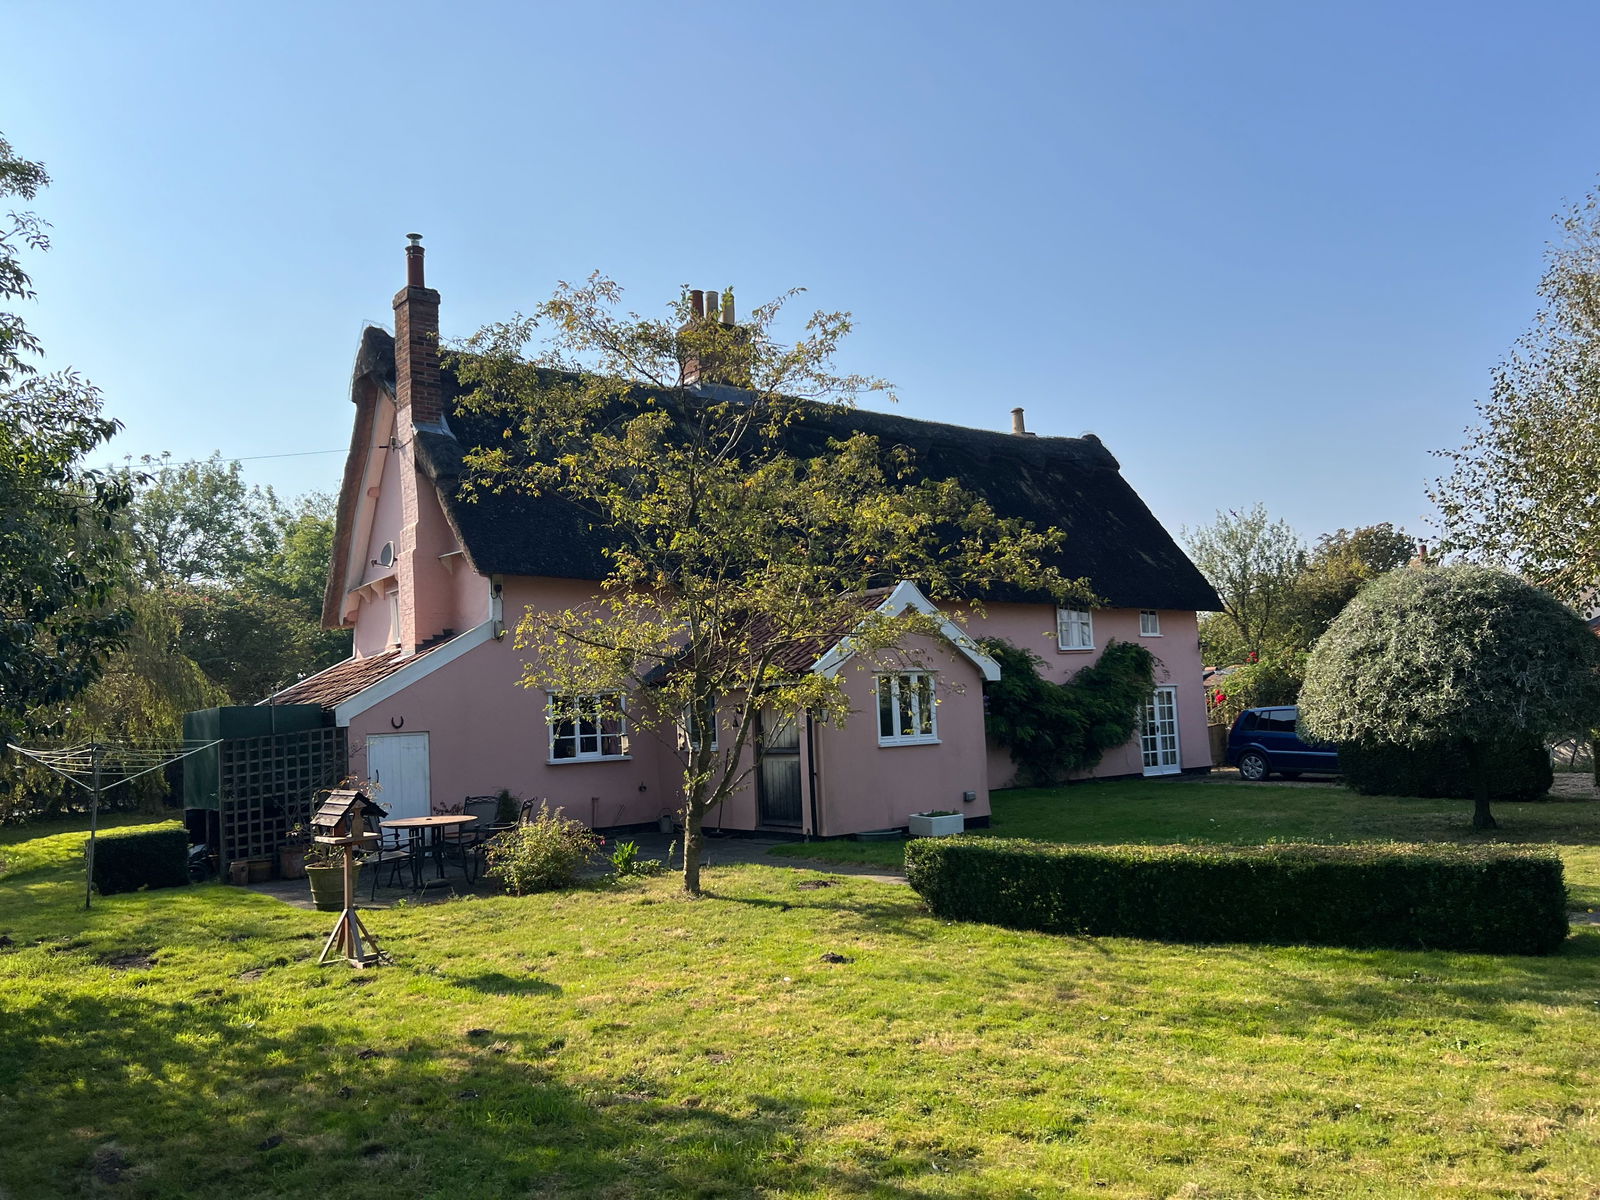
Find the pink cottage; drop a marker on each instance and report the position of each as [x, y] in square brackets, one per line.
[429, 584]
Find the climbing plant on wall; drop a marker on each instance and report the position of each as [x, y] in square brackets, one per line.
[1055, 730]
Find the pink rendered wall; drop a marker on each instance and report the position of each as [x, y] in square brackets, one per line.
[1177, 650]
[435, 595]
[372, 618]
[486, 732]
[867, 786]
[438, 597]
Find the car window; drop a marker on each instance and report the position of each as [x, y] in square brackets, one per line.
[1277, 720]
[1247, 722]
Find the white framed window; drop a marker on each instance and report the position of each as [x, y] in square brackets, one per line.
[1074, 629]
[585, 727]
[394, 616]
[691, 726]
[1149, 623]
[906, 709]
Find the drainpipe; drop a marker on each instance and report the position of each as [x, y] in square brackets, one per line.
[811, 770]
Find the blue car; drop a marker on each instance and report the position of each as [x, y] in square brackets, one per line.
[1263, 740]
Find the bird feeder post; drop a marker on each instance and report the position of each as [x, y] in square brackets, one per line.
[349, 820]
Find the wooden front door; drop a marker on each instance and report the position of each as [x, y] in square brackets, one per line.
[778, 790]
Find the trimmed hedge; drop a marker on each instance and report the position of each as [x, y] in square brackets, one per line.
[1521, 773]
[126, 860]
[1499, 899]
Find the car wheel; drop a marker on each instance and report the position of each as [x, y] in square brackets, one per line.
[1253, 766]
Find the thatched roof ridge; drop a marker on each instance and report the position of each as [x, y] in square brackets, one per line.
[1074, 484]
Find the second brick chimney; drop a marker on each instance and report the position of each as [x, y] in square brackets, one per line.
[416, 344]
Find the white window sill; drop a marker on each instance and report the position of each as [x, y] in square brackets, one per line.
[890, 743]
[1152, 635]
[1074, 649]
[589, 758]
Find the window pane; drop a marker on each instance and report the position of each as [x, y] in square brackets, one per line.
[885, 706]
[908, 725]
[925, 705]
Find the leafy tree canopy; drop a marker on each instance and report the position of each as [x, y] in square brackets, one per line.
[1465, 656]
[1253, 562]
[733, 558]
[1521, 492]
[60, 560]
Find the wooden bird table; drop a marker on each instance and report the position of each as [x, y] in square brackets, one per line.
[350, 939]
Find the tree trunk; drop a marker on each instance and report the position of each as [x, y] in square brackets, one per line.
[1594, 755]
[693, 843]
[1482, 818]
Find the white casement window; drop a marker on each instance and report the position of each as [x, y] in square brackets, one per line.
[1149, 623]
[906, 709]
[394, 617]
[691, 727]
[1074, 629]
[586, 727]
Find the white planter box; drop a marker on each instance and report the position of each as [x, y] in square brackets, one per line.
[922, 825]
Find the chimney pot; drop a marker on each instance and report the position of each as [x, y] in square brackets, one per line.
[697, 302]
[414, 261]
[713, 305]
[1017, 427]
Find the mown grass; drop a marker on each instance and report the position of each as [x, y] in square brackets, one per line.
[624, 1042]
[1228, 812]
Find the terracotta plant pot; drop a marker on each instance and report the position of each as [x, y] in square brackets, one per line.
[291, 862]
[239, 871]
[327, 887]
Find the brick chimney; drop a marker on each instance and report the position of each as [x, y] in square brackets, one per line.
[416, 344]
[710, 353]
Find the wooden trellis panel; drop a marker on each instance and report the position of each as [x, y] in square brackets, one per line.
[269, 784]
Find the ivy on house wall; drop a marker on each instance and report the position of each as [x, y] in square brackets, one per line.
[1055, 730]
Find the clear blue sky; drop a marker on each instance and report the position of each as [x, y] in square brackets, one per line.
[1266, 251]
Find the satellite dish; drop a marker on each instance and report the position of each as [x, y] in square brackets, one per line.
[385, 556]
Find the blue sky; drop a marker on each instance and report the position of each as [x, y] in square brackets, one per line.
[1266, 251]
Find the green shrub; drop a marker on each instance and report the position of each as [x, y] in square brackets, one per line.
[126, 860]
[507, 808]
[1054, 730]
[544, 854]
[1519, 773]
[1499, 899]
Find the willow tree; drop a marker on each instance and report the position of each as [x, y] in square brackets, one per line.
[733, 555]
[1521, 492]
[1459, 660]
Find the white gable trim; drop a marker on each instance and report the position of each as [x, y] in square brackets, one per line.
[907, 595]
[417, 668]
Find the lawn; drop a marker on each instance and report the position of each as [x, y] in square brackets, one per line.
[623, 1042]
[1227, 811]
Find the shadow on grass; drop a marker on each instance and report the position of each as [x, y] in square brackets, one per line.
[497, 983]
[125, 1094]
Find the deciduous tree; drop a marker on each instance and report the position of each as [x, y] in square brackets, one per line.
[1521, 492]
[60, 560]
[730, 555]
[1253, 562]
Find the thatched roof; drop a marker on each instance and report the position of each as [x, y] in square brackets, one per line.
[1073, 484]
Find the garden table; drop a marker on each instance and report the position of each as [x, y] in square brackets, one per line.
[421, 840]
